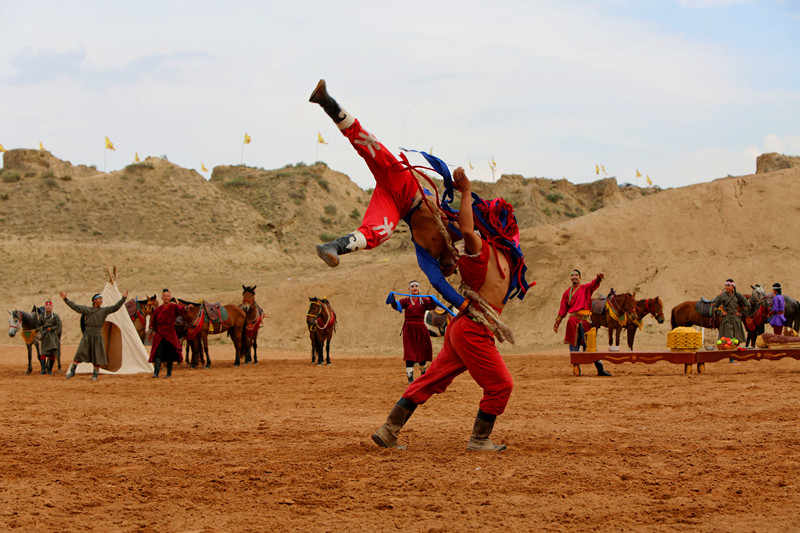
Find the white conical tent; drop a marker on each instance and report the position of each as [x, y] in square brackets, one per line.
[126, 353]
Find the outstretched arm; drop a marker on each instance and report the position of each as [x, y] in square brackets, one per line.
[430, 267]
[472, 242]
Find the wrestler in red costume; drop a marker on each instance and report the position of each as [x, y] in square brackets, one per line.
[166, 346]
[468, 344]
[417, 349]
[577, 301]
[396, 195]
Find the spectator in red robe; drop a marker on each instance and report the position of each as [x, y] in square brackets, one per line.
[417, 348]
[577, 301]
[166, 346]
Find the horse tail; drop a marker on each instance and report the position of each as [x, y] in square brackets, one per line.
[672, 321]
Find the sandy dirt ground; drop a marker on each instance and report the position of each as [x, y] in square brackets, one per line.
[285, 445]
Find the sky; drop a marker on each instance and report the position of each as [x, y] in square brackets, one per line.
[684, 91]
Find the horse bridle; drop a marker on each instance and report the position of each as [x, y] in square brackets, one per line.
[17, 325]
[316, 324]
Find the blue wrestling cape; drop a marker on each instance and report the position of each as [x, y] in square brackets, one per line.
[391, 301]
[496, 222]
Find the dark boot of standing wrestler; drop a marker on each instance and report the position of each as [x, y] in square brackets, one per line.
[156, 366]
[43, 364]
[481, 429]
[50, 364]
[386, 435]
[600, 370]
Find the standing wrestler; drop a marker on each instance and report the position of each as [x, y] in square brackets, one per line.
[92, 348]
[49, 338]
[728, 302]
[469, 342]
[397, 195]
[417, 349]
[577, 301]
[166, 347]
[776, 313]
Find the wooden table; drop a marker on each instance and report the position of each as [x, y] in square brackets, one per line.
[686, 358]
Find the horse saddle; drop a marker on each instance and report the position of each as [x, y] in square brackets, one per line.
[703, 307]
[599, 304]
[216, 312]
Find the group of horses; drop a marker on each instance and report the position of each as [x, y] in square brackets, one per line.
[755, 315]
[195, 323]
[623, 311]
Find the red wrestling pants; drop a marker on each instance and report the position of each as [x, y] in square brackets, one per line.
[467, 346]
[395, 186]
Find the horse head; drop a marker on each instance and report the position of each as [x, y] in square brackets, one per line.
[655, 308]
[150, 305]
[14, 322]
[248, 297]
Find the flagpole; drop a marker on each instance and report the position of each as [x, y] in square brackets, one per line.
[241, 159]
[105, 153]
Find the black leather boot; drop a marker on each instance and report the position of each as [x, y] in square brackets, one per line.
[95, 374]
[479, 441]
[386, 435]
[330, 251]
[43, 364]
[169, 369]
[50, 363]
[71, 371]
[600, 370]
[156, 366]
[339, 116]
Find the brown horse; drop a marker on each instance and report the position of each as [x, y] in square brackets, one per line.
[200, 326]
[253, 318]
[321, 322]
[644, 307]
[685, 314]
[618, 310]
[139, 310]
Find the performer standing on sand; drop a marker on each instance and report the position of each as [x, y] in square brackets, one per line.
[92, 348]
[417, 347]
[50, 338]
[166, 346]
[577, 301]
[469, 342]
[397, 195]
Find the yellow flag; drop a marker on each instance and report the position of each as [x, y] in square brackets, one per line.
[597, 170]
[604, 170]
[320, 140]
[109, 144]
[203, 167]
[136, 159]
[2, 149]
[469, 159]
[638, 174]
[41, 146]
[494, 165]
[247, 138]
[649, 182]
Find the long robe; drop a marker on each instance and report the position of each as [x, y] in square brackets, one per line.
[572, 301]
[731, 326]
[50, 329]
[162, 322]
[92, 348]
[416, 337]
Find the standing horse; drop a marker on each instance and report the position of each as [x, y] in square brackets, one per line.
[321, 322]
[253, 318]
[29, 324]
[616, 312]
[651, 306]
[139, 310]
[756, 316]
[201, 326]
[685, 314]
